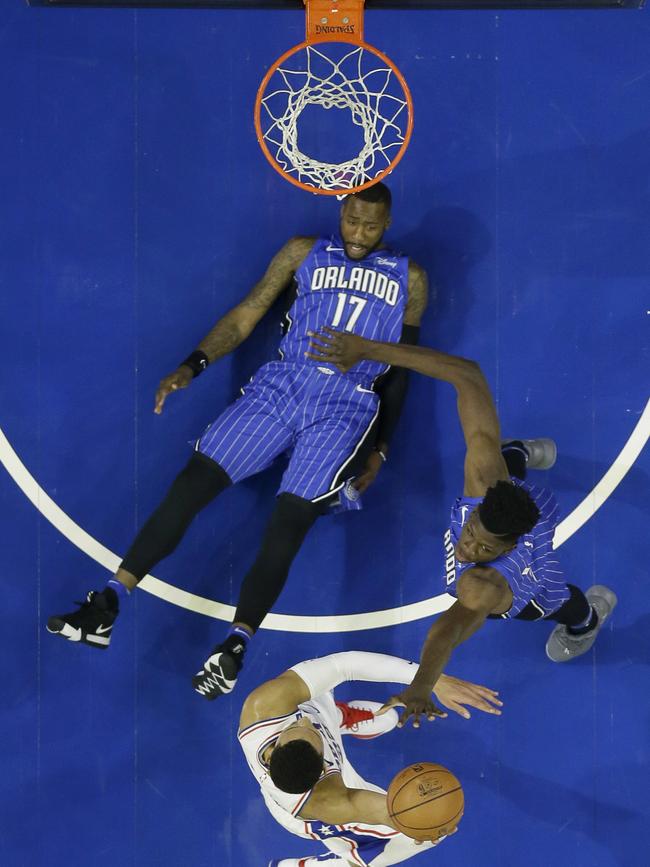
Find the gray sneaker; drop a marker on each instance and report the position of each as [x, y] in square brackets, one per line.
[542, 452]
[562, 646]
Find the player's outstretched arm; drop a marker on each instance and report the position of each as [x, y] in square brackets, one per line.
[237, 324]
[393, 385]
[481, 591]
[484, 464]
[314, 677]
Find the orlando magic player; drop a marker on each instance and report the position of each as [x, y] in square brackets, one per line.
[291, 732]
[328, 421]
[498, 550]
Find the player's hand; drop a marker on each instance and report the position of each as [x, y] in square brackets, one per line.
[368, 476]
[454, 693]
[180, 378]
[438, 839]
[416, 703]
[336, 347]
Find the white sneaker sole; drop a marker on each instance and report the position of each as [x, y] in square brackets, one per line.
[71, 634]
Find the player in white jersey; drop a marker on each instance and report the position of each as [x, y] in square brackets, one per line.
[291, 732]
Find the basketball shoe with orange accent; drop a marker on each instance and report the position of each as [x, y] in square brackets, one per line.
[358, 718]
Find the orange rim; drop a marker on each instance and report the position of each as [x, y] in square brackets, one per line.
[343, 190]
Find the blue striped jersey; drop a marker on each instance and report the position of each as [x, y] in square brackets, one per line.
[366, 296]
[531, 568]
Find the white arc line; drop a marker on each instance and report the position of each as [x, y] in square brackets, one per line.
[304, 623]
[609, 482]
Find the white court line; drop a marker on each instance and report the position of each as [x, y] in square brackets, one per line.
[609, 482]
[298, 623]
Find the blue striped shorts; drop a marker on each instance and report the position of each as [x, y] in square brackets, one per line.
[320, 418]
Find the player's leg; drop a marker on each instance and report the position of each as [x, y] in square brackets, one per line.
[196, 485]
[336, 420]
[523, 455]
[193, 489]
[244, 440]
[579, 621]
[290, 521]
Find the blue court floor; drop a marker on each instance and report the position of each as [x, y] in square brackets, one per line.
[136, 209]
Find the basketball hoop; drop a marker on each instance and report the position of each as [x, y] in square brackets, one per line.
[360, 88]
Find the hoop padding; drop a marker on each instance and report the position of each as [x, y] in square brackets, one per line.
[340, 76]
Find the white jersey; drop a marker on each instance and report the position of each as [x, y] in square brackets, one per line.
[285, 807]
[356, 842]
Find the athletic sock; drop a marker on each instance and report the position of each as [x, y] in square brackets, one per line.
[516, 457]
[115, 587]
[237, 633]
[590, 622]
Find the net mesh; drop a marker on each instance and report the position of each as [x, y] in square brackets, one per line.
[343, 77]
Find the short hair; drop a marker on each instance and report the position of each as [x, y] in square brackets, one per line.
[296, 766]
[377, 194]
[508, 510]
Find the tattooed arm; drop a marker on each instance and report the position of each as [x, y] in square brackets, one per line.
[233, 328]
[418, 294]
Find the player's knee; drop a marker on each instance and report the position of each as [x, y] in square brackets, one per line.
[201, 479]
[294, 508]
[201, 467]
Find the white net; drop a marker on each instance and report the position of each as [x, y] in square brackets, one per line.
[335, 76]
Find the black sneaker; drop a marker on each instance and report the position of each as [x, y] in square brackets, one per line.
[219, 673]
[92, 624]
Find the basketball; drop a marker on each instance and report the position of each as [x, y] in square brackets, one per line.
[425, 801]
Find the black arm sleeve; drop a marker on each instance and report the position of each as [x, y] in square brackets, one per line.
[392, 391]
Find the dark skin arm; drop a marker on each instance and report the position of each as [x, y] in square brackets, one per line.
[284, 693]
[237, 324]
[484, 464]
[418, 296]
[481, 591]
